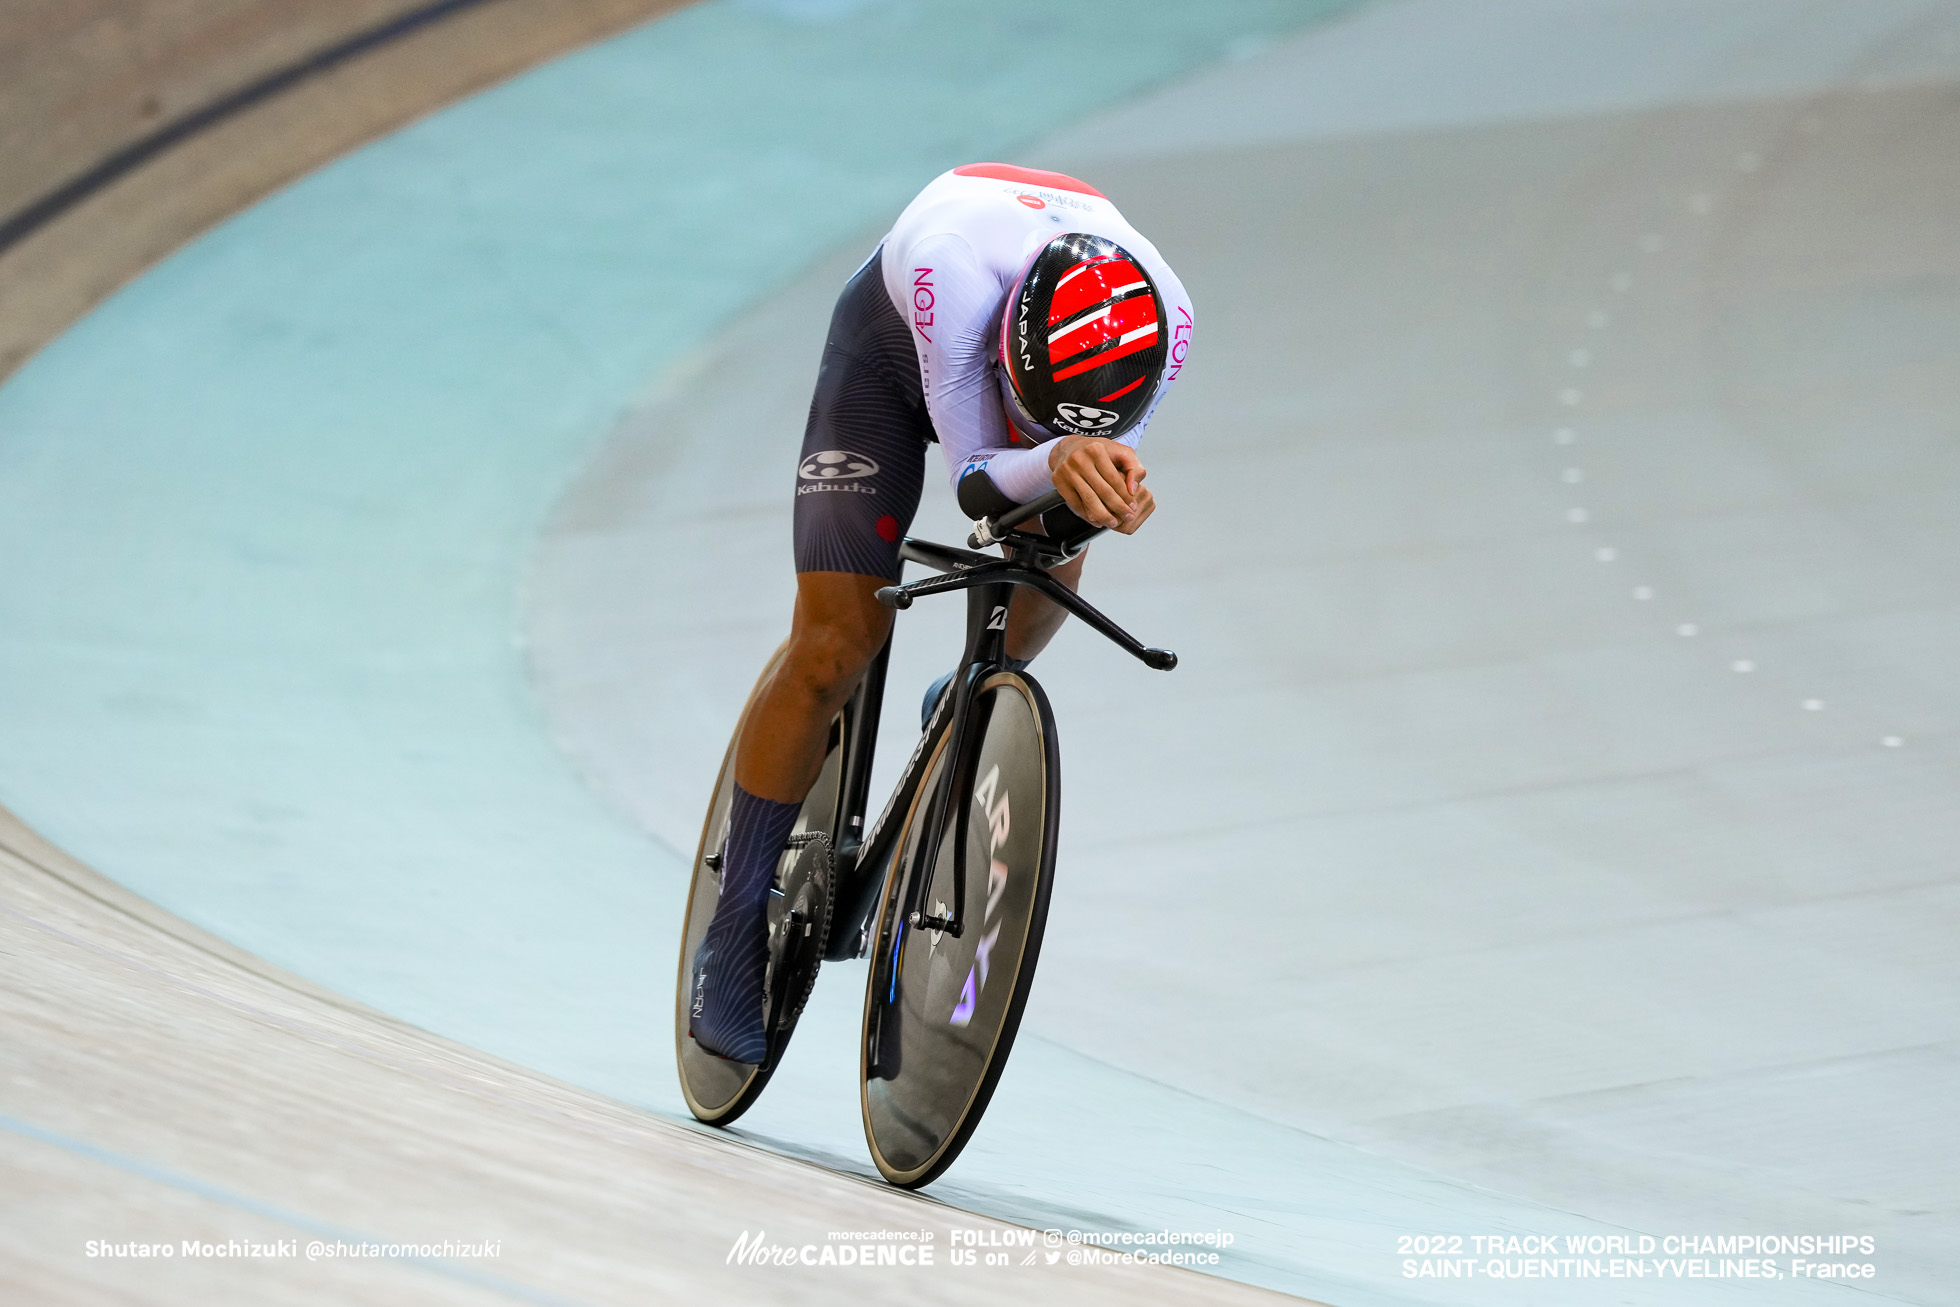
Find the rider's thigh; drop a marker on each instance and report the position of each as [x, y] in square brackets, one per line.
[864, 447]
[1070, 573]
[1027, 599]
[1033, 618]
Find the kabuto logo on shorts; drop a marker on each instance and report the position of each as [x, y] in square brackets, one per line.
[835, 465]
[1089, 419]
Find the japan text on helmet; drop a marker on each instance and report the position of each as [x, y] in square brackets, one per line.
[1081, 338]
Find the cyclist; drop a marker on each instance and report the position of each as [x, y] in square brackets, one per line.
[1015, 317]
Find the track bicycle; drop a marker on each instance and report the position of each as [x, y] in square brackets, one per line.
[947, 891]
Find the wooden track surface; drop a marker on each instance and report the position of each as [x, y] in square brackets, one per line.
[80, 79]
[158, 1085]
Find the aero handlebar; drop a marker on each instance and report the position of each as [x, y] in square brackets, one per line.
[1027, 565]
[992, 530]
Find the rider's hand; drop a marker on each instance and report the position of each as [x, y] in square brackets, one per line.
[1102, 482]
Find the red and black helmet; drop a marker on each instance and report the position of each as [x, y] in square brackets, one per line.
[1082, 338]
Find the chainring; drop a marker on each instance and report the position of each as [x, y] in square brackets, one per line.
[800, 905]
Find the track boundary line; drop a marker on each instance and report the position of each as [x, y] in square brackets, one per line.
[18, 226]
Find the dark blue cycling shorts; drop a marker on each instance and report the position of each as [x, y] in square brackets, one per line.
[864, 447]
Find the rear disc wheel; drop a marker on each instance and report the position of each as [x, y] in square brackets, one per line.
[801, 896]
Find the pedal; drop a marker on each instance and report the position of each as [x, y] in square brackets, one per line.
[803, 899]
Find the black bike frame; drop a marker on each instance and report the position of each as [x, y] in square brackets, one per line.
[864, 856]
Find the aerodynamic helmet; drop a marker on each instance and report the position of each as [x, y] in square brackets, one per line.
[1082, 340]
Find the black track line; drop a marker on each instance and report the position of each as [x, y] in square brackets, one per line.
[18, 226]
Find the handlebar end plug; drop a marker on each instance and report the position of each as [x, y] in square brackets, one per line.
[892, 596]
[1162, 660]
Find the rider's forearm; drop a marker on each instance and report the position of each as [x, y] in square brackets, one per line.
[979, 497]
[1020, 474]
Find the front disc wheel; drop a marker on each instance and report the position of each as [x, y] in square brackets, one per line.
[940, 1011]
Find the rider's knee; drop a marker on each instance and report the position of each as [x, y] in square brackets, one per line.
[830, 654]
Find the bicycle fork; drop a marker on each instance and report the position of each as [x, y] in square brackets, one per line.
[987, 607]
[986, 622]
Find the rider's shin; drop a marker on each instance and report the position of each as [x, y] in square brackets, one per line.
[726, 1016]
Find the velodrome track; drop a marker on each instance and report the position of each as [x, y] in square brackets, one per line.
[1550, 829]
